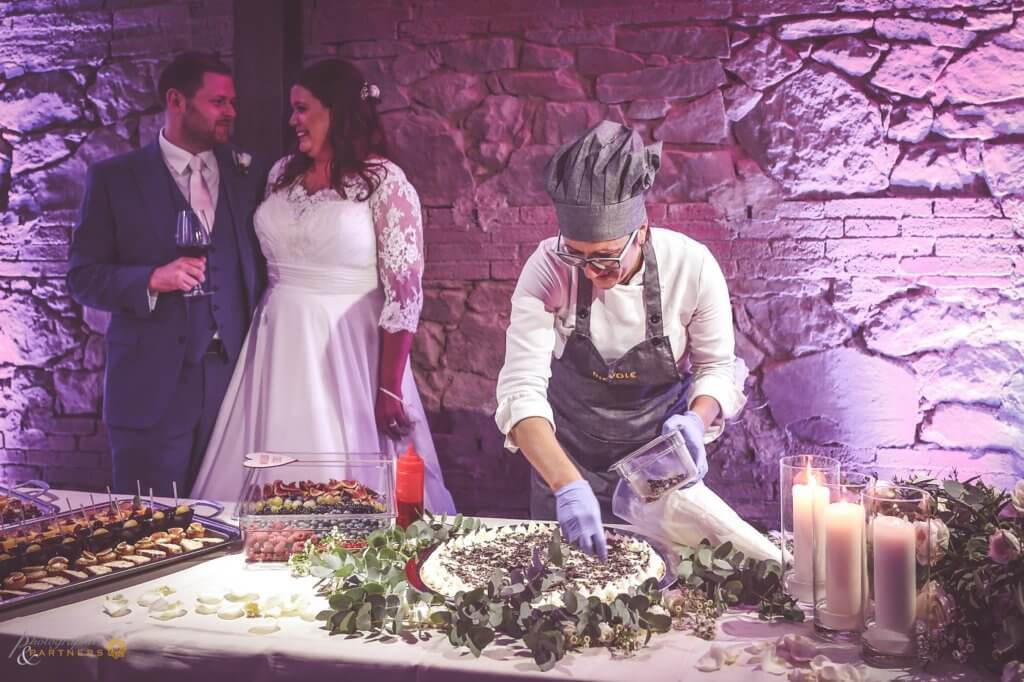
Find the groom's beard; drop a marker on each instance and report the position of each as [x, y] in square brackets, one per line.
[204, 133]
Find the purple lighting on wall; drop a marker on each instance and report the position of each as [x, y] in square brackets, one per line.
[860, 179]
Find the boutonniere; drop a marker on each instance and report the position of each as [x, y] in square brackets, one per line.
[242, 161]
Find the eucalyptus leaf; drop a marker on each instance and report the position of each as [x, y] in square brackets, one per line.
[480, 637]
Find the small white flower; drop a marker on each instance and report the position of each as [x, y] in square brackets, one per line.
[605, 633]
[1017, 496]
[657, 610]
[932, 541]
[242, 161]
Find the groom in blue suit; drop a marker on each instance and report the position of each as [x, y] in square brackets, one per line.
[170, 357]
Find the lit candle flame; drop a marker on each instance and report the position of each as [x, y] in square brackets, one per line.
[810, 476]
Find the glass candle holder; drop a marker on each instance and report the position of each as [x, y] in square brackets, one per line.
[898, 529]
[806, 484]
[839, 609]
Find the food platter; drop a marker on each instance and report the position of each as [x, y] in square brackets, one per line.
[89, 547]
[429, 582]
[13, 502]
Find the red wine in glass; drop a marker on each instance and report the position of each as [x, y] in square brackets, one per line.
[193, 240]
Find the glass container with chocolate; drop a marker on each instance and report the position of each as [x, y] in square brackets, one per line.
[663, 465]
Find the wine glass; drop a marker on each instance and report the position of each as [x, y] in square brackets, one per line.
[193, 240]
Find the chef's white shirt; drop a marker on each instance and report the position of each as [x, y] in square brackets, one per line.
[696, 314]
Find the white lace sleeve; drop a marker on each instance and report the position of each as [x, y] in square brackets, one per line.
[399, 225]
[275, 173]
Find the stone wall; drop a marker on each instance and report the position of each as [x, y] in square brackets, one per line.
[77, 84]
[853, 164]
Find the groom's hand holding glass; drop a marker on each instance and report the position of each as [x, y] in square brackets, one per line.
[181, 274]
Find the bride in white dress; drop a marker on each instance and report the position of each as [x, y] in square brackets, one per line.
[324, 366]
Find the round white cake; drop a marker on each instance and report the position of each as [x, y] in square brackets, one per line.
[467, 562]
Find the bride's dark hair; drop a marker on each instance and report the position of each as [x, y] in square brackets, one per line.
[355, 134]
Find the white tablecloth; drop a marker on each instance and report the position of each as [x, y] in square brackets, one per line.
[198, 647]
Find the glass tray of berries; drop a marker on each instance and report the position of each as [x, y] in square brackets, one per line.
[289, 498]
[19, 506]
[73, 550]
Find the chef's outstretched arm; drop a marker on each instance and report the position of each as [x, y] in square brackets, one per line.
[524, 414]
[576, 507]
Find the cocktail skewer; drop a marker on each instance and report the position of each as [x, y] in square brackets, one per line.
[116, 508]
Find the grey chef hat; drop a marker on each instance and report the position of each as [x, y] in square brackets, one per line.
[598, 182]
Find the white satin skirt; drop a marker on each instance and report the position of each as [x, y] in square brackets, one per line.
[306, 382]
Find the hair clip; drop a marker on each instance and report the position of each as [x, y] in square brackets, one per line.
[369, 91]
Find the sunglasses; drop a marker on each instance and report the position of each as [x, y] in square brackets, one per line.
[603, 264]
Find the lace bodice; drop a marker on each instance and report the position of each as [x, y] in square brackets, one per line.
[333, 230]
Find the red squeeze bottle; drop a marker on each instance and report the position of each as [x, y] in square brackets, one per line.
[409, 487]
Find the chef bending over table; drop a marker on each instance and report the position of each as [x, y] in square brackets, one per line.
[620, 332]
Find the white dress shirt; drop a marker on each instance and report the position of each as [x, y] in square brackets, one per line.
[177, 159]
[695, 308]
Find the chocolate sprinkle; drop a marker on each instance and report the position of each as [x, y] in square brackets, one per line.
[474, 563]
[660, 486]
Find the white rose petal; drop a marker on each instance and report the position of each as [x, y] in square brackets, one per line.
[802, 675]
[173, 610]
[229, 612]
[308, 614]
[713, 660]
[150, 598]
[236, 596]
[207, 609]
[799, 648]
[161, 604]
[116, 606]
[267, 627]
[209, 598]
[771, 663]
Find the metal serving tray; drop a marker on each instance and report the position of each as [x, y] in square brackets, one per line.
[34, 498]
[82, 589]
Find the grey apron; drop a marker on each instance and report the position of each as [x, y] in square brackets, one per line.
[603, 411]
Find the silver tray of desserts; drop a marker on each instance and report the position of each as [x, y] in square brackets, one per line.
[18, 506]
[70, 552]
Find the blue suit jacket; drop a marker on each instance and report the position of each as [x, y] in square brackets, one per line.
[125, 231]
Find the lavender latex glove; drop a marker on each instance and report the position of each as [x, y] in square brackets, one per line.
[579, 516]
[691, 427]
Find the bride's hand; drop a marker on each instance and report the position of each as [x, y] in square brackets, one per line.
[390, 416]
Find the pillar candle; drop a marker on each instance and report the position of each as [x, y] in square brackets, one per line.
[844, 547]
[895, 570]
[809, 503]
